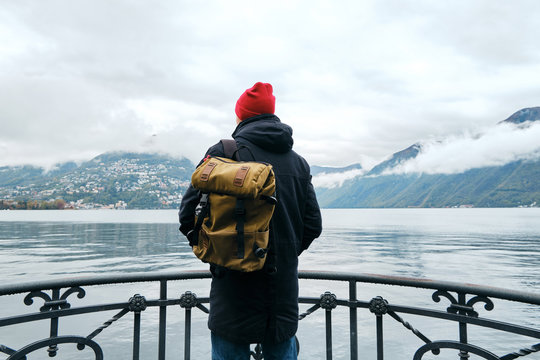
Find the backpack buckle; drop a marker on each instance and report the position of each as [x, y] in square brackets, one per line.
[239, 209]
[204, 200]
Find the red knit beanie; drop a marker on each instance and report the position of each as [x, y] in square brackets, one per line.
[256, 100]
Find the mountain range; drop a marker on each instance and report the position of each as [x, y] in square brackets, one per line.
[135, 180]
[512, 184]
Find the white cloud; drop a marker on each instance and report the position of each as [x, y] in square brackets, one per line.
[362, 78]
[162, 115]
[497, 146]
[332, 180]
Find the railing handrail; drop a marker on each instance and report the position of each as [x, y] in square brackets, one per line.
[425, 283]
[120, 278]
[138, 277]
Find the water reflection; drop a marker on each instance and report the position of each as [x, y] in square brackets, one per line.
[38, 250]
[485, 250]
[494, 246]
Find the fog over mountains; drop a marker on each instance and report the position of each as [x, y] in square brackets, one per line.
[498, 167]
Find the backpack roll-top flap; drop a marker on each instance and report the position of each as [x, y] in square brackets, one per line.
[245, 179]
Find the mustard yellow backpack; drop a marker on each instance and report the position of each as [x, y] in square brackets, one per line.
[232, 219]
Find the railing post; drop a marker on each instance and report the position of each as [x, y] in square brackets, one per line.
[162, 319]
[380, 338]
[463, 338]
[379, 307]
[328, 302]
[187, 341]
[188, 300]
[137, 304]
[328, 334]
[353, 325]
[136, 335]
[54, 323]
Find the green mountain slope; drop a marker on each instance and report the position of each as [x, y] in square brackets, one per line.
[514, 184]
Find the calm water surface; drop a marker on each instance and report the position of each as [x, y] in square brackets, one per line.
[497, 247]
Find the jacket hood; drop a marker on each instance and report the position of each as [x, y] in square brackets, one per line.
[267, 132]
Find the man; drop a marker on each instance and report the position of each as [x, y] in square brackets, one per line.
[262, 306]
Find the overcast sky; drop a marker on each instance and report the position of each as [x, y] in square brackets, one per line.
[357, 80]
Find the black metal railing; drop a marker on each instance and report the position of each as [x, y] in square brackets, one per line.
[57, 304]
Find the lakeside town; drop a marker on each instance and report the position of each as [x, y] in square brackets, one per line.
[107, 182]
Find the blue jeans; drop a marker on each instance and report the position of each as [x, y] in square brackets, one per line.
[226, 350]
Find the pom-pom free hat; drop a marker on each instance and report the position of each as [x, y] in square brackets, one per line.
[256, 100]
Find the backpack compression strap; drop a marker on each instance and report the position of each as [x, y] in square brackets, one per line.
[240, 215]
[193, 235]
[231, 151]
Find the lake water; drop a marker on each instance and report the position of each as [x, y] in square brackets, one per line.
[497, 247]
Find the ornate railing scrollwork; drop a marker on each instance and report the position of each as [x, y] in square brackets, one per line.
[53, 342]
[462, 307]
[522, 352]
[463, 299]
[378, 306]
[466, 348]
[488, 304]
[328, 301]
[188, 300]
[137, 303]
[51, 303]
[56, 301]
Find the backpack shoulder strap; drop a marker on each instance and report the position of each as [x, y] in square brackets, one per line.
[230, 148]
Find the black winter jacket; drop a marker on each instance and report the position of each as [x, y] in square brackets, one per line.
[259, 306]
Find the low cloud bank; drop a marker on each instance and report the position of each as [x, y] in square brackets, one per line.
[499, 145]
[333, 180]
[496, 146]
